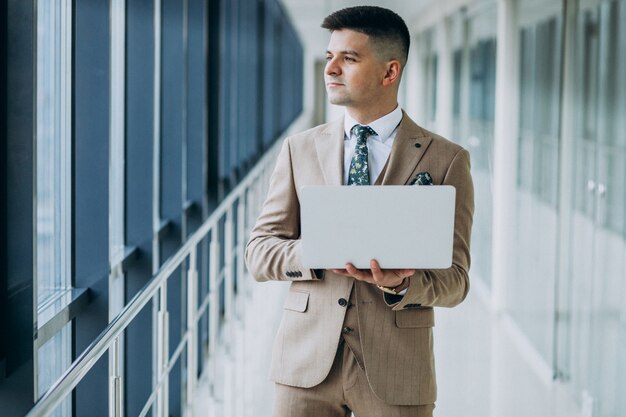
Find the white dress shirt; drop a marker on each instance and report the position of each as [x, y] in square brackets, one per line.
[379, 145]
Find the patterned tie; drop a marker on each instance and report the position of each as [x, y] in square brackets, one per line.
[359, 173]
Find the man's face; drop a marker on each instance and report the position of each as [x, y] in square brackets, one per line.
[353, 73]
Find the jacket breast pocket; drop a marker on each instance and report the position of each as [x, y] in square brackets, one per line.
[424, 317]
[297, 301]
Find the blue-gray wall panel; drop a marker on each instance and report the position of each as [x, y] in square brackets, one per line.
[139, 195]
[91, 188]
[16, 372]
[196, 107]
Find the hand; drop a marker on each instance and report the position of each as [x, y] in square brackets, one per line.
[390, 278]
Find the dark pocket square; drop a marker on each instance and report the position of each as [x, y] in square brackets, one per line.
[422, 178]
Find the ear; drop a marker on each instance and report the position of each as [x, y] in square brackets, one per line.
[392, 75]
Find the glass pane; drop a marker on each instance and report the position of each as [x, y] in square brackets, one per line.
[53, 186]
[594, 355]
[53, 151]
[583, 203]
[429, 67]
[54, 359]
[531, 292]
[117, 131]
[432, 83]
[608, 298]
[477, 129]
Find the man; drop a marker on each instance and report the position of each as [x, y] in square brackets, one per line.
[359, 340]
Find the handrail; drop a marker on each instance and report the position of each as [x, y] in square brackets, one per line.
[64, 386]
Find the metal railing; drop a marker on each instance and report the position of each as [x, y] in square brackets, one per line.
[227, 228]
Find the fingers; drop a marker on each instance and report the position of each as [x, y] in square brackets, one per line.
[353, 272]
[403, 273]
[343, 272]
[377, 273]
[358, 274]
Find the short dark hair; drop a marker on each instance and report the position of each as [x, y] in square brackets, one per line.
[382, 25]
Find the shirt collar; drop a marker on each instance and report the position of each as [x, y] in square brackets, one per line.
[384, 126]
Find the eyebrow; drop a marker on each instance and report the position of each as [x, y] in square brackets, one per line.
[347, 52]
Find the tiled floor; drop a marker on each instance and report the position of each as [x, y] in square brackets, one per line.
[483, 365]
[486, 369]
[242, 387]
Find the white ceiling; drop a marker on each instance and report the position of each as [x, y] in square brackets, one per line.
[307, 16]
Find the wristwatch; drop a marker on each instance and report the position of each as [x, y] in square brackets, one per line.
[394, 290]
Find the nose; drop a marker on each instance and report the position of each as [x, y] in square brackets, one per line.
[332, 67]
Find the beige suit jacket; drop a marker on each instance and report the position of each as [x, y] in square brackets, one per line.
[396, 337]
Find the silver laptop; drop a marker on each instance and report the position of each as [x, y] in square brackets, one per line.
[399, 226]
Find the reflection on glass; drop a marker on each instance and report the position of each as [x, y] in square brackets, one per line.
[479, 140]
[53, 184]
[593, 358]
[428, 57]
[53, 150]
[531, 290]
[53, 358]
[473, 108]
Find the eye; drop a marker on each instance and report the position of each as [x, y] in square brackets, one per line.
[328, 57]
[350, 59]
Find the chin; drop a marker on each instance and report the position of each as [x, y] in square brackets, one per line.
[338, 101]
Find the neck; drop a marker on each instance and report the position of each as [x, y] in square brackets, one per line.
[366, 116]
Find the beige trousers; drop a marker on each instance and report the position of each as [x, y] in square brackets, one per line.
[344, 390]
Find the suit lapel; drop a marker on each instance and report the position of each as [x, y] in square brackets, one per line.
[408, 148]
[329, 147]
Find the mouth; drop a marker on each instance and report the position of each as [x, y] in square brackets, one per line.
[333, 85]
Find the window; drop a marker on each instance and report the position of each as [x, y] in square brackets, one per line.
[536, 231]
[593, 326]
[53, 149]
[473, 106]
[53, 185]
[540, 109]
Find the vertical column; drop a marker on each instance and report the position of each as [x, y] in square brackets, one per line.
[192, 329]
[445, 81]
[242, 285]
[242, 234]
[229, 255]
[505, 148]
[115, 378]
[183, 125]
[214, 307]
[411, 77]
[156, 196]
[162, 341]
[117, 90]
[465, 78]
[564, 282]
[66, 140]
[156, 131]
[228, 328]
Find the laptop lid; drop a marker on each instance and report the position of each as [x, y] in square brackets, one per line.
[399, 226]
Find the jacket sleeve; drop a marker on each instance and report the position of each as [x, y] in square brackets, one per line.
[446, 287]
[273, 251]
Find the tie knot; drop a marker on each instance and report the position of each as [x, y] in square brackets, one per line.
[362, 132]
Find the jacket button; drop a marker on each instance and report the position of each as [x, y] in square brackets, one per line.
[342, 302]
[346, 330]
